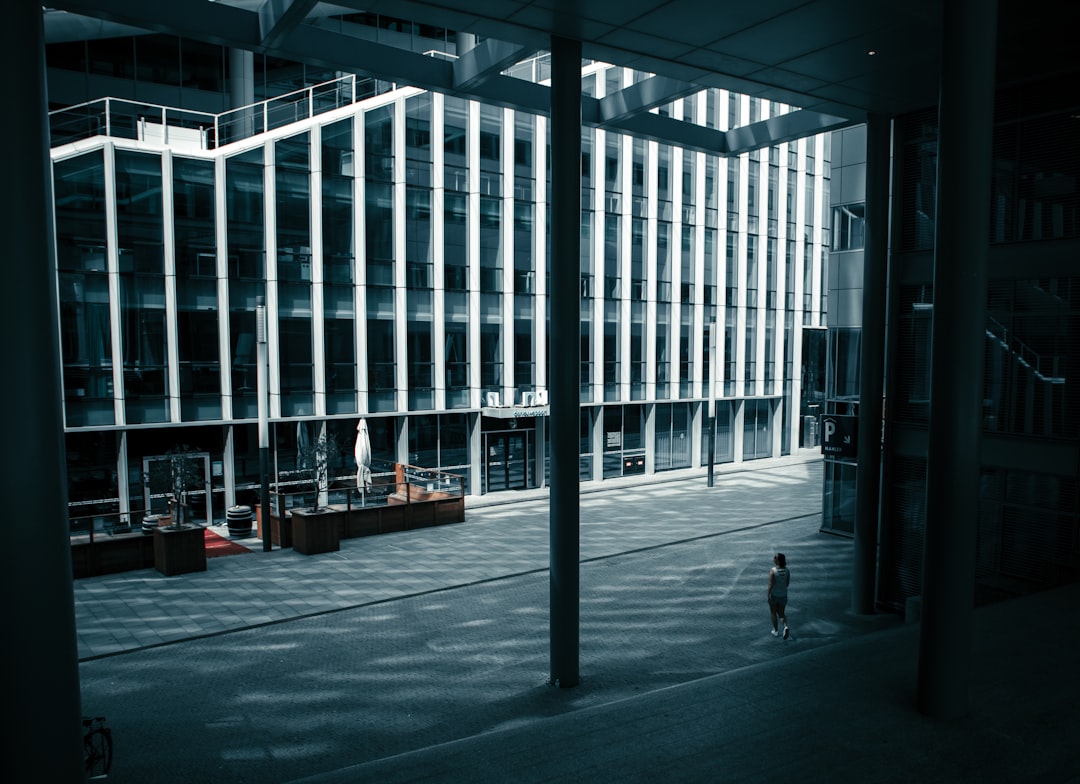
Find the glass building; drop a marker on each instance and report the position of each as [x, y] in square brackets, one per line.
[399, 239]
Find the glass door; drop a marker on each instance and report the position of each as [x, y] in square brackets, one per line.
[508, 460]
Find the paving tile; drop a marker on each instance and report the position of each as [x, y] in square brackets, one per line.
[421, 655]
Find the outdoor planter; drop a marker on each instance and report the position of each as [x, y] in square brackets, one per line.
[280, 530]
[362, 521]
[179, 550]
[317, 531]
[112, 554]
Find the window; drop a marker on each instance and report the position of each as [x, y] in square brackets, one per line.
[849, 227]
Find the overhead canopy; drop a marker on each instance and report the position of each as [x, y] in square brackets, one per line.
[835, 59]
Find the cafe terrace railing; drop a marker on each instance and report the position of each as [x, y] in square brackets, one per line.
[404, 498]
[126, 119]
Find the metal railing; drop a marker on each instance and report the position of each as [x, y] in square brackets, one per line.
[402, 482]
[1024, 354]
[170, 126]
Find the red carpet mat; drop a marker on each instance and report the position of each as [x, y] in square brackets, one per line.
[218, 545]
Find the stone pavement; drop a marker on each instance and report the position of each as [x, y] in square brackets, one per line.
[423, 655]
[142, 608]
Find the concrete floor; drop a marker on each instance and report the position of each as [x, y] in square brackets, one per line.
[423, 655]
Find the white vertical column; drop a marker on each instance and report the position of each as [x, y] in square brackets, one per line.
[113, 266]
[438, 250]
[228, 467]
[360, 264]
[761, 209]
[169, 239]
[401, 347]
[506, 229]
[782, 262]
[476, 454]
[472, 168]
[740, 282]
[539, 234]
[221, 237]
[675, 299]
[813, 222]
[122, 486]
[699, 330]
[599, 269]
[272, 308]
[626, 166]
[318, 308]
[800, 227]
[721, 250]
[652, 153]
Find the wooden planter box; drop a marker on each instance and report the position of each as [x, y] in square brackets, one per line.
[394, 516]
[280, 533]
[362, 521]
[179, 550]
[317, 532]
[111, 554]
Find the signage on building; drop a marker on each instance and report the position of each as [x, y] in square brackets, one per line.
[532, 404]
[840, 437]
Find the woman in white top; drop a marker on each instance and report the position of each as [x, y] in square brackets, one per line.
[779, 578]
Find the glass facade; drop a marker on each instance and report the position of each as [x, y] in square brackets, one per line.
[401, 248]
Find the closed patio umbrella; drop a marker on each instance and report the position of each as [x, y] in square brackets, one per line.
[362, 451]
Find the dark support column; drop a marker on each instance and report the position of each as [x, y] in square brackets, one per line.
[39, 656]
[241, 93]
[965, 120]
[564, 392]
[872, 363]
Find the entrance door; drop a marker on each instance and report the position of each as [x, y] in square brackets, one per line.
[508, 460]
[156, 491]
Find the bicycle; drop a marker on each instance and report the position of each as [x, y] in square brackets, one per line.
[97, 747]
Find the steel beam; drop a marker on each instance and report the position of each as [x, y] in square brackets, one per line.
[279, 17]
[485, 60]
[643, 96]
[783, 128]
[243, 29]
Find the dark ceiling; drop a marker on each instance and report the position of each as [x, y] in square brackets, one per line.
[837, 57]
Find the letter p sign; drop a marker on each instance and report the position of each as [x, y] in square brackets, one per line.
[840, 439]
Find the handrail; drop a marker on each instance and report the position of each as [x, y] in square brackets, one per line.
[401, 478]
[343, 89]
[1021, 350]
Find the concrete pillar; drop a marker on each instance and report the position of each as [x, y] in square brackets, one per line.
[43, 733]
[965, 121]
[540, 452]
[464, 42]
[241, 78]
[872, 364]
[241, 93]
[565, 350]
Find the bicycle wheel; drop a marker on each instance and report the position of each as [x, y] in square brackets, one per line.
[97, 749]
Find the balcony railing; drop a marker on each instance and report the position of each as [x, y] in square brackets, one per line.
[182, 128]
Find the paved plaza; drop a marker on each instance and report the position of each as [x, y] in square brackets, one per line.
[423, 655]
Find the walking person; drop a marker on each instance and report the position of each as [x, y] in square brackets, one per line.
[779, 578]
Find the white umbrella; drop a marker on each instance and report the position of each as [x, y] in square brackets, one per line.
[362, 451]
[303, 443]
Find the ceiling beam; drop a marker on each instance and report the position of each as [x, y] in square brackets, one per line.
[213, 22]
[278, 17]
[240, 28]
[642, 96]
[783, 128]
[486, 59]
